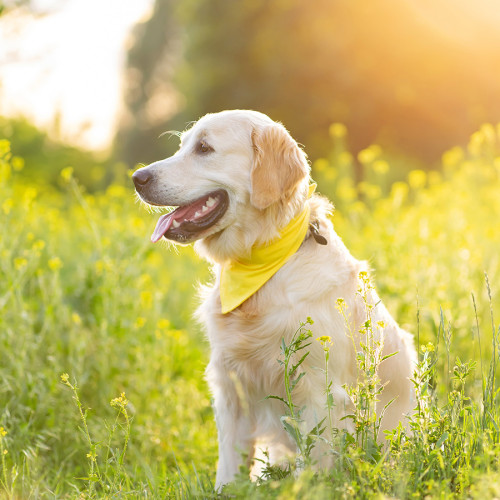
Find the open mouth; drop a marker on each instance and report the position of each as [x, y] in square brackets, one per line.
[185, 223]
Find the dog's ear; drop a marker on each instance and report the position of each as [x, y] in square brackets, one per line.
[279, 165]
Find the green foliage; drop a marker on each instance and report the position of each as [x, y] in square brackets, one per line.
[293, 422]
[40, 158]
[84, 293]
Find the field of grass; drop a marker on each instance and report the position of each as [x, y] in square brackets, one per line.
[102, 392]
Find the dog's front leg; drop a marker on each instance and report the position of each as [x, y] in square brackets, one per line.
[235, 444]
[234, 426]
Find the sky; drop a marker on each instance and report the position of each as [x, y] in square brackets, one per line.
[66, 61]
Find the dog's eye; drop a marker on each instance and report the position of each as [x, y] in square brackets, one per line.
[203, 148]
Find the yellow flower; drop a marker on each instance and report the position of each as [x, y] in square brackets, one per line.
[122, 401]
[146, 299]
[338, 130]
[3, 432]
[39, 245]
[17, 163]
[64, 378]
[340, 304]
[19, 263]
[452, 157]
[67, 173]
[345, 158]
[380, 167]
[321, 165]
[99, 267]
[163, 324]
[324, 339]
[7, 206]
[75, 317]
[345, 189]
[55, 263]
[417, 179]
[370, 154]
[427, 348]
[4, 147]
[29, 195]
[399, 192]
[140, 322]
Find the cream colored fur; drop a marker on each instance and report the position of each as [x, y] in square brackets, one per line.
[266, 176]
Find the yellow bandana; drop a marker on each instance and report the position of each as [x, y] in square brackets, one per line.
[240, 279]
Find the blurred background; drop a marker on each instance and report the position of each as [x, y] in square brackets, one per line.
[397, 104]
[415, 77]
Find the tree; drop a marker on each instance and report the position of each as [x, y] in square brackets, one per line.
[382, 68]
[149, 96]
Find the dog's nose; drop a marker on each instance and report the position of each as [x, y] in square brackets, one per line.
[141, 177]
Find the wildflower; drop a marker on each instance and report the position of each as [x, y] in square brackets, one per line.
[75, 317]
[452, 157]
[345, 189]
[399, 192]
[162, 324]
[19, 263]
[370, 154]
[380, 167]
[7, 206]
[64, 378]
[67, 173]
[140, 322]
[324, 339]
[4, 147]
[417, 179]
[92, 455]
[55, 263]
[38, 245]
[321, 165]
[17, 163]
[345, 158]
[427, 348]
[121, 401]
[99, 267]
[116, 191]
[381, 324]
[372, 191]
[434, 178]
[3, 432]
[29, 195]
[338, 130]
[146, 299]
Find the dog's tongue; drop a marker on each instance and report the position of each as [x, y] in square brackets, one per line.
[162, 226]
[165, 221]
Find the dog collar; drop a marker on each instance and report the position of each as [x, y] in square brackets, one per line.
[241, 278]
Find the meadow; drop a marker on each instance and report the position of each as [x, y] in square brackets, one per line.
[102, 392]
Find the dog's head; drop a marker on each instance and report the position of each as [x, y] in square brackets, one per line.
[231, 169]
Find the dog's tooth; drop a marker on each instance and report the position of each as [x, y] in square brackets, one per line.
[197, 214]
[210, 202]
[176, 224]
[204, 208]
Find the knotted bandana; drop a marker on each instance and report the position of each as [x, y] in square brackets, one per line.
[241, 278]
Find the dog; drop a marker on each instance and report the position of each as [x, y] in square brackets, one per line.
[241, 183]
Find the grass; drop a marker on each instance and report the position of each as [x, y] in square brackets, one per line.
[84, 294]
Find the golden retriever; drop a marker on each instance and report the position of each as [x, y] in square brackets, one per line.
[238, 179]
